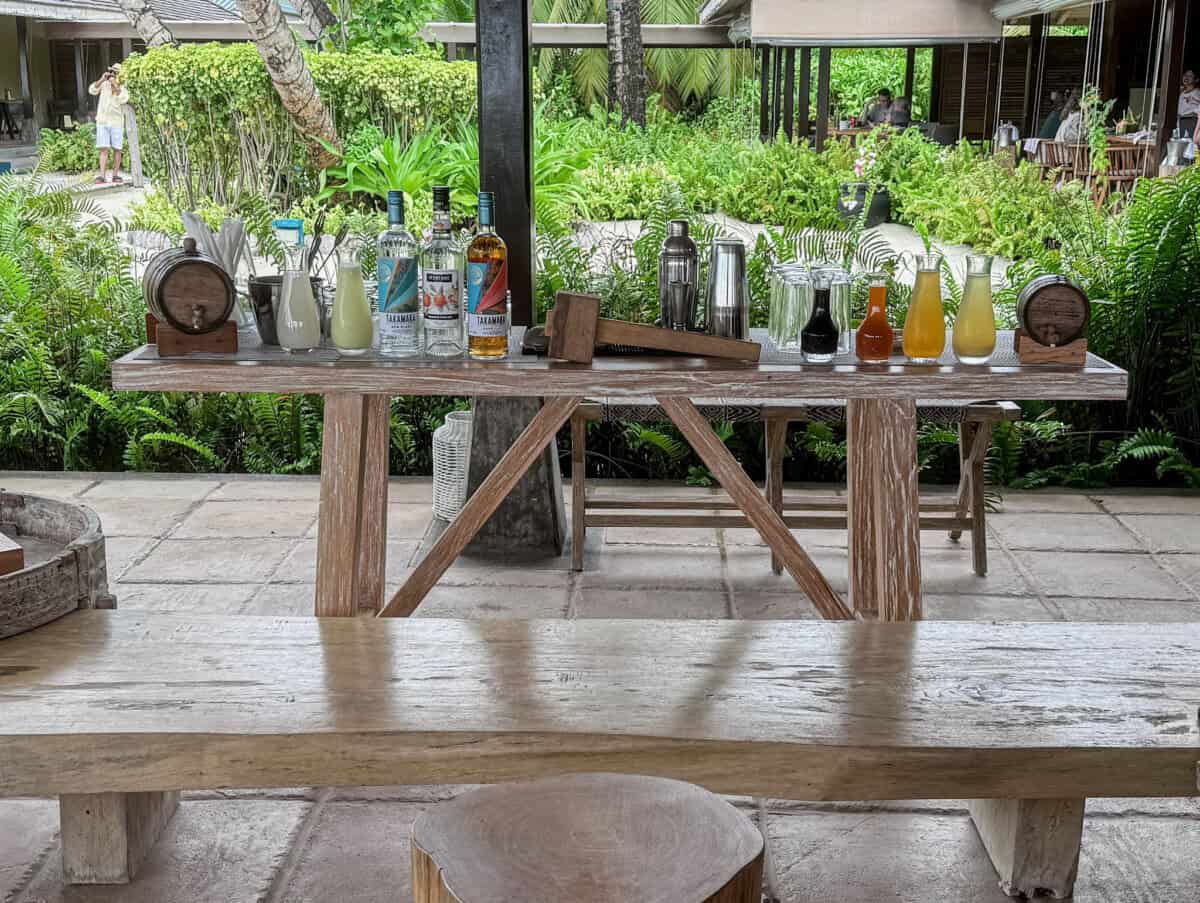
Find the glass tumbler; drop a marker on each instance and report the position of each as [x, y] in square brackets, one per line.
[791, 306]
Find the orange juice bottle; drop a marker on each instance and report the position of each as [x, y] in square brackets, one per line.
[925, 325]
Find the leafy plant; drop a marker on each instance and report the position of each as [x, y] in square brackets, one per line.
[68, 151]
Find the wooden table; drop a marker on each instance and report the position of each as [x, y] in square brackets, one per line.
[851, 134]
[884, 535]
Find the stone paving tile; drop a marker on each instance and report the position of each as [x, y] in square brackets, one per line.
[47, 485]
[659, 536]
[413, 490]
[192, 488]
[139, 517]
[749, 605]
[869, 857]
[1066, 532]
[475, 571]
[1186, 568]
[1107, 575]
[1127, 611]
[211, 852]
[1056, 502]
[284, 488]
[122, 551]
[1166, 532]
[490, 602]
[405, 521]
[1135, 859]
[986, 608]
[282, 600]
[27, 832]
[211, 561]
[749, 570]
[300, 566]
[649, 567]
[746, 536]
[248, 519]
[946, 569]
[198, 598]
[590, 602]
[357, 852]
[1168, 502]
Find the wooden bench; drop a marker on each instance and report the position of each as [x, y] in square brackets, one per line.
[966, 514]
[114, 712]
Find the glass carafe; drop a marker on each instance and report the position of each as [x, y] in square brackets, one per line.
[298, 321]
[820, 337]
[925, 325]
[791, 306]
[874, 338]
[352, 328]
[839, 307]
[975, 329]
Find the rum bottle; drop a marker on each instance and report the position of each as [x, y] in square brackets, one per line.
[873, 341]
[487, 287]
[396, 273]
[441, 283]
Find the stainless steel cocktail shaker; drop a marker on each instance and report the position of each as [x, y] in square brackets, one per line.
[727, 311]
[678, 274]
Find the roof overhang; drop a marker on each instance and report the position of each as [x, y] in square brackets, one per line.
[1019, 9]
[587, 35]
[857, 23]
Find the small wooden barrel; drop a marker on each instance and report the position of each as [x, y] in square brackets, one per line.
[589, 838]
[188, 291]
[1053, 311]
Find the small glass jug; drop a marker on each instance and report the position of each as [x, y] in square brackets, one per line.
[791, 306]
[925, 325]
[975, 329]
[352, 327]
[298, 321]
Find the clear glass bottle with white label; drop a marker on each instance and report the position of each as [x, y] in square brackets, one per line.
[441, 282]
[396, 272]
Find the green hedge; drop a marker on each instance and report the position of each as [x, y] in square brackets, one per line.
[208, 111]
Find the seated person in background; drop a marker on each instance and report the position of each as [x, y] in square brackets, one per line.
[1189, 104]
[1071, 130]
[877, 110]
[900, 115]
[1053, 119]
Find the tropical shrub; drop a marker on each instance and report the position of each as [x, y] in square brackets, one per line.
[68, 151]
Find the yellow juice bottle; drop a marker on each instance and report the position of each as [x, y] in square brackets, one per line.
[925, 325]
[975, 329]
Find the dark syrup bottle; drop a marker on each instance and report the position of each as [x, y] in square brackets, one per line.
[819, 339]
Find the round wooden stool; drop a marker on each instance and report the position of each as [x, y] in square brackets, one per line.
[592, 838]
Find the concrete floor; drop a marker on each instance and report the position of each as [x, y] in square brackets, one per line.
[247, 546]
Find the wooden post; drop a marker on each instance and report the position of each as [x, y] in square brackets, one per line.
[353, 518]
[910, 66]
[884, 531]
[776, 92]
[775, 442]
[1175, 34]
[789, 93]
[578, 489]
[804, 125]
[105, 836]
[135, 147]
[1030, 106]
[27, 111]
[823, 63]
[81, 94]
[764, 95]
[126, 48]
[1034, 844]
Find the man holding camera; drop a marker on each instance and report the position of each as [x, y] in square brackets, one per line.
[110, 120]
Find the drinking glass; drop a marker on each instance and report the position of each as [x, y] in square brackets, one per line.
[791, 306]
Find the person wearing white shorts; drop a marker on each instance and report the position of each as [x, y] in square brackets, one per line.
[110, 120]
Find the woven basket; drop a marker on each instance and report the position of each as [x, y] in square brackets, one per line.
[451, 457]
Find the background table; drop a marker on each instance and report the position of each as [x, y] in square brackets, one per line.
[884, 535]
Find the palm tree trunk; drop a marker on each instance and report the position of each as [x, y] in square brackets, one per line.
[626, 60]
[146, 22]
[317, 16]
[280, 51]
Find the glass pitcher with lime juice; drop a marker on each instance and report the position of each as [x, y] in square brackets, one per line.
[353, 327]
[975, 329]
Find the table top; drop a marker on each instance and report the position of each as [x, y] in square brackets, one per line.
[777, 375]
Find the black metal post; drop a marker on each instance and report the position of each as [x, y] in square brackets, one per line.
[1030, 106]
[81, 94]
[823, 63]
[935, 84]
[1175, 37]
[910, 66]
[776, 93]
[764, 95]
[789, 92]
[804, 125]
[505, 29]
[23, 69]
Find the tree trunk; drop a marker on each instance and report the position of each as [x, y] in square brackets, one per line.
[626, 60]
[280, 50]
[317, 16]
[146, 22]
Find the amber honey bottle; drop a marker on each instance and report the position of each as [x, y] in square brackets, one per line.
[873, 341]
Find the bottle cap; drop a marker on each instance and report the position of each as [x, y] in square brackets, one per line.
[395, 206]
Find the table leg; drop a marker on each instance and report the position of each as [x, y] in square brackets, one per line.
[754, 505]
[522, 455]
[883, 527]
[353, 518]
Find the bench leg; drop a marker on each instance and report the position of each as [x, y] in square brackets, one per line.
[105, 836]
[776, 449]
[578, 490]
[1034, 844]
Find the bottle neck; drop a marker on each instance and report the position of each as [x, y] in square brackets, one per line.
[441, 222]
[821, 299]
[877, 301]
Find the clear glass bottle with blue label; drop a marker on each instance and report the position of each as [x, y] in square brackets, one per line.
[399, 298]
